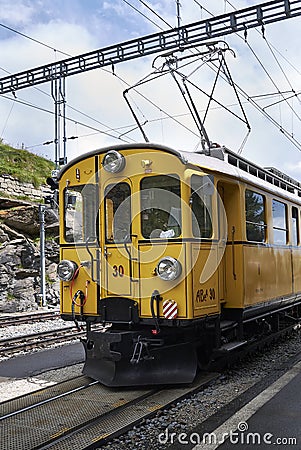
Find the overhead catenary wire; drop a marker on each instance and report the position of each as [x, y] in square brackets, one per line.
[67, 118]
[262, 65]
[73, 108]
[33, 39]
[154, 12]
[281, 68]
[69, 106]
[251, 100]
[141, 13]
[42, 91]
[139, 83]
[271, 79]
[288, 135]
[158, 16]
[8, 116]
[37, 42]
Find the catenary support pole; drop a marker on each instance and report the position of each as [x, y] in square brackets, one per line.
[42, 255]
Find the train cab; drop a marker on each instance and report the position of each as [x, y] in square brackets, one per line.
[143, 233]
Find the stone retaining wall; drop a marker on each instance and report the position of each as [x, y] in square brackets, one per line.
[12, 187]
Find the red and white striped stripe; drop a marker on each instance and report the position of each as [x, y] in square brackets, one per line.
[170, 309]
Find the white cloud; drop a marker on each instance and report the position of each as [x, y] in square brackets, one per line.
[293, 169]
[20, 14]
[118, 8]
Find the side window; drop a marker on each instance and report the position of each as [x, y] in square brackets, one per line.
[118, 212]
[279, 223]
[295, 226]
[202, 189]
[255, 216]
[80, 213]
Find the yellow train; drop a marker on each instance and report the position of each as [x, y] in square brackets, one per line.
[169, 256]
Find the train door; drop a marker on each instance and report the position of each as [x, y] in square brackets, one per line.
[231, 267]
[204, 247]
[222, 240]
[118, 251]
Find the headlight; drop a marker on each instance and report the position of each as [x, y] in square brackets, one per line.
[113, 162]
[66, 270]
[169, 268]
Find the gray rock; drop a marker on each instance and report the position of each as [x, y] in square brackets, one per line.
[4, 277]
[8, 305]
[24, 288]
[24, 219]
[3, 236]
[51, 272]
[9, 256]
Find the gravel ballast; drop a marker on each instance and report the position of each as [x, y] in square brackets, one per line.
[190, 412]
[182, 416]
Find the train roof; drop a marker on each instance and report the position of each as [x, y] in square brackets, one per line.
[221, 160]
[225, 161]
[120, 147]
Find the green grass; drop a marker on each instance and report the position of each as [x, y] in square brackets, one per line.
[24, 166]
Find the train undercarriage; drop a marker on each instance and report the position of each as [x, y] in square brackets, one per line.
[131, 358]
[132, 355]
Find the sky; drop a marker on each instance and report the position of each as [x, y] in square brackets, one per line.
[266, 69]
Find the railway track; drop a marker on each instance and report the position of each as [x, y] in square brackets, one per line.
[28, 318]
[83, 414]
[34, 340]
[78, 412]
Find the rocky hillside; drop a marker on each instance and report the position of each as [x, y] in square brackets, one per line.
[20, 231]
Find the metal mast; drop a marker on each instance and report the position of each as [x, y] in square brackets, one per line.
[59, 96]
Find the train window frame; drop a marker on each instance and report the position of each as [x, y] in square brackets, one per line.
[201, 201]
[118, 232]
[167, 222]
[295, 237]
[278, 228]
[255, 230]
[80, 213]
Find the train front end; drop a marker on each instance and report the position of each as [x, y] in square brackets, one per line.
[137, 228]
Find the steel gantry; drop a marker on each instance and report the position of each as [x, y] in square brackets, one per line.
[182, 37]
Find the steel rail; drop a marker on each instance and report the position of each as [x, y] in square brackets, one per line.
[36, 339]
[26, 318]
[129, 406]
[48, 400]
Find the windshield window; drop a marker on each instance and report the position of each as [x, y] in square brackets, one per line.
[161, 207]
[80, 213]
[118, 212]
